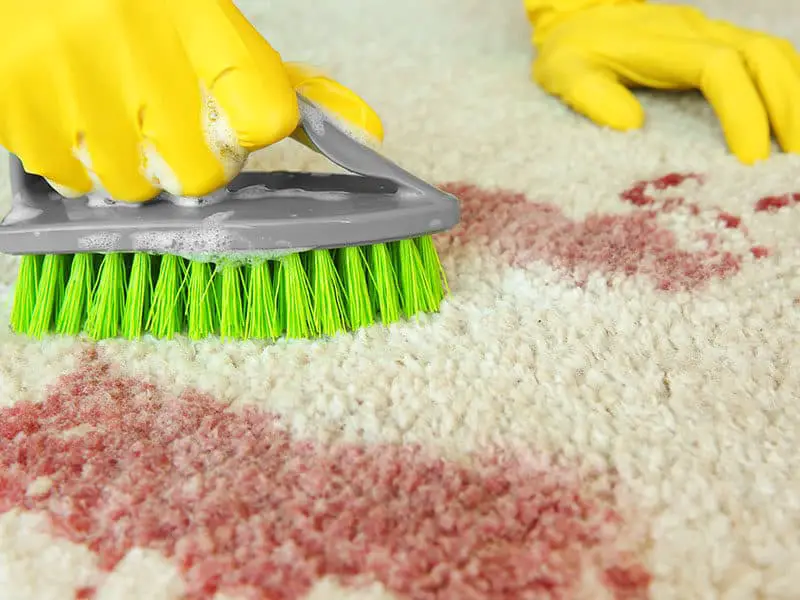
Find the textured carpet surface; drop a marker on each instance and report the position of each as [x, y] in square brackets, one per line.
[606, 406]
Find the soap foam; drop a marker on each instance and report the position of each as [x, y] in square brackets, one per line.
[262, 192]
[222, 138]
[96, 200]
[251, 192]
[157, 171]
[208, 237]
[315, 120]
[244, 258]
[194, 202]
[104, 242]
[81, 152]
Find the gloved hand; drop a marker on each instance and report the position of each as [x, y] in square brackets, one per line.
[131, 97]
[590, 52]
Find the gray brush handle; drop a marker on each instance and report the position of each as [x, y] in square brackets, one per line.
[341, 149]
[326, 137]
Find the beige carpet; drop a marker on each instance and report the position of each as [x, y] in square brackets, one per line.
[606, 406]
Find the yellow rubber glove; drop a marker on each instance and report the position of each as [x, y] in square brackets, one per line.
[131, 97]
[590, 52]
[346, 108]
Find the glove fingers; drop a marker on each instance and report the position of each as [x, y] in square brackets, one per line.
[42, 140]
[112, 156]
[178, 154]
[108, 146]
[791, 53]
[240, 70]
[774, 66]
[178, 135]
[728, 87]
[776, 71]
[62, 170]
[57, 164]
[594, 93]
[170, 115]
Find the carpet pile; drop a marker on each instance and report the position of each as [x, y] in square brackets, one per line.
[605, 408]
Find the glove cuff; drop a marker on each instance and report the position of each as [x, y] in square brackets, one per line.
[546, 14]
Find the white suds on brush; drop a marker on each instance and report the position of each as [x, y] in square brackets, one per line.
[208, 236]
[194, 202]
[105, 242]
[239, 258]
[257, 192]
[251, 192]
[315, 120]
[96, 200]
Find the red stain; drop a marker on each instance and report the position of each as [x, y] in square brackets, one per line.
[243, 508]
[637, 193]
[730, 221]
[760, 251]
[775, 203]
[629, 244]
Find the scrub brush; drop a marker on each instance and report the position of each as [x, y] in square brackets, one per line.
[275, 254]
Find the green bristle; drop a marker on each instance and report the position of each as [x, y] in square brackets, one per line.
[108, 298]
[415, 290]
[166, 312]
[437, 278]
[294, 298]
[262, 313]
[52, 282]
[77, 297]
[301, 295]
[231, 319]
[30, 267]
[140, 291]
[352, 267]
[329, 313]
[201, 304]
[384, 283]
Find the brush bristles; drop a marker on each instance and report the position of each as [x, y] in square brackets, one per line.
[303, 295]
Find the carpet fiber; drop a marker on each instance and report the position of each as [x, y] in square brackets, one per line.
[605, 407]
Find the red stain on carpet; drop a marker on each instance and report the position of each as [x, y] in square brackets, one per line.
[624, 245]
[241, 507]
[775, 203]
[638, 193]
[730, 221]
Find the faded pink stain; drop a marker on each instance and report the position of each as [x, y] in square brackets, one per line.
[242, 507]
[615, 245]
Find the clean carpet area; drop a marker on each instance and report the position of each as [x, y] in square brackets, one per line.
[606, 406]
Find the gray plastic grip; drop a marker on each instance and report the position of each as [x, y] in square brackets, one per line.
[256, 212]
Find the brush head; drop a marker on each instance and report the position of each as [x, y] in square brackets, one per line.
[256, 213]
[349, 250]
[301, 295]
